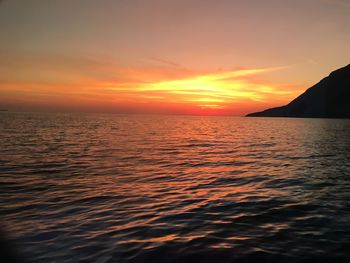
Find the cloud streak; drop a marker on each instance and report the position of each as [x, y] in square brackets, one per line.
[215, 89]
[73, 80]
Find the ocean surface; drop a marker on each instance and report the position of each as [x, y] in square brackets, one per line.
[134, 188]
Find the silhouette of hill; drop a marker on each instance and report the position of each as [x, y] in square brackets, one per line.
[330, 98]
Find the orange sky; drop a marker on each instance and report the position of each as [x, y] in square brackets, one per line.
[184, 57]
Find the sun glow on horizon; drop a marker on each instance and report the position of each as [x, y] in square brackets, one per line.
[162, 57]
[101, 86]
[213, 91]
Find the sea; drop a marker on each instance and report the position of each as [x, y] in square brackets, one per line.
[151, 188]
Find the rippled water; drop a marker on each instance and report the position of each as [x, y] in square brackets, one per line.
[127, 188]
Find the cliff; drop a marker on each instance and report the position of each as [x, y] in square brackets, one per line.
[330, 98]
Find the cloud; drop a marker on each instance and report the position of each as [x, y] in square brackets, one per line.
[42, 77]
[218, 88]
[166, 62]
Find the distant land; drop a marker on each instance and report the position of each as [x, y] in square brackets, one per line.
[330, 98]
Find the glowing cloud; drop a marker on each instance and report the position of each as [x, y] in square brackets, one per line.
[86, 84]
[215, 90]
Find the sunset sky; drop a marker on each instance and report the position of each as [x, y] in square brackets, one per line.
[204, 57]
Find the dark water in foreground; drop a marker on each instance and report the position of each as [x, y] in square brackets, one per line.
[123, 188]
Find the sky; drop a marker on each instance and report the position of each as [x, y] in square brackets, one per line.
[206, 57]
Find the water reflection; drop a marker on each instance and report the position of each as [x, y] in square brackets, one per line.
[148, 188]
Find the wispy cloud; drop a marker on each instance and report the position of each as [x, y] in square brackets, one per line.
[221, 88]
[166, 62]
[63, 78]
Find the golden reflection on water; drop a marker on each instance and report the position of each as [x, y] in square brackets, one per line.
[147, 182]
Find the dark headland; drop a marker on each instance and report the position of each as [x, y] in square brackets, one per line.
[330, 98]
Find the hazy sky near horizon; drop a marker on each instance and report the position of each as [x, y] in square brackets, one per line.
[167, 56]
